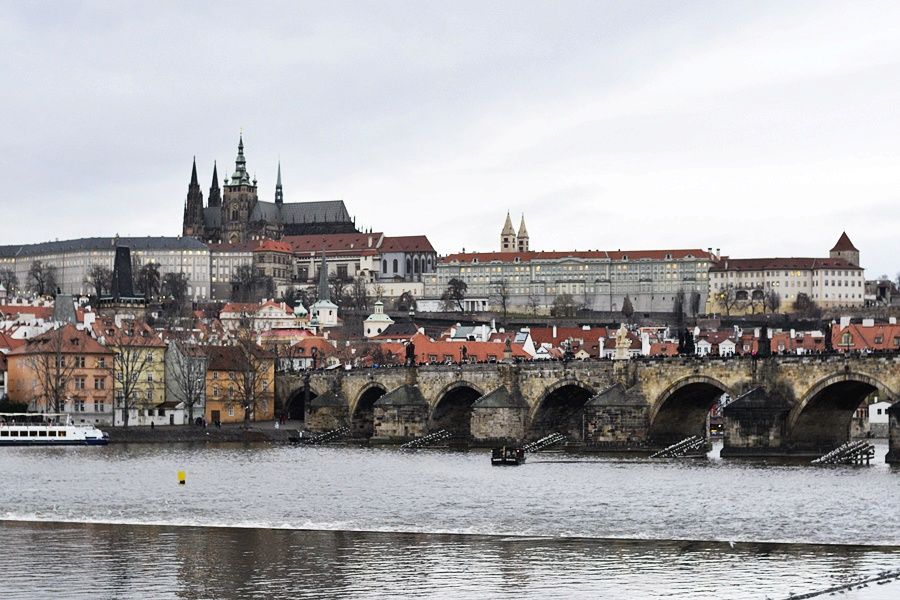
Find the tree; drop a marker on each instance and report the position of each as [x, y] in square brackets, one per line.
[42, 278]
[406, 302]
[628, 309]
[338, 289]
[728, 300]
[501, 293]
[244, 283]
[290, 296]
[772, 301]
[174, 288]
[358, 294]
[564, 306]
[678, 306]
[52, 368]
[254, 378]
[454, 295]
[9, 279]
[148, 280]
[534, 302]
[806, 307]
[132, 345]
[99, 278]
[695, 303]
[186, 376]
[268, 283]
[756, 299]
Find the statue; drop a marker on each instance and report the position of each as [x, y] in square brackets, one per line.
[410, 355]
[465, 354]
[623, 343]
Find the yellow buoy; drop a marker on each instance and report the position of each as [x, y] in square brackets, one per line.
[181, 477]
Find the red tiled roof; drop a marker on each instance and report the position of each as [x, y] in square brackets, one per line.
[14, 310]
[334, 243]
[305, 346]
[844, 244]
[469, 257]
[479, 351]
[762, 264]
[240, 307]
[8, 342]
[272, 246]
[135, 333]
[406, 243]
[72, 341]
[544, 335]
[876, 337]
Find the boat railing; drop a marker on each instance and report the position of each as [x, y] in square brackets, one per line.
[35, 419]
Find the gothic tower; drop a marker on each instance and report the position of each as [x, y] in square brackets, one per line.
[279, 194]
[238, 200]
[522, 237]
[845, 249]
[508, 236]
[215, 196]
[192, 225]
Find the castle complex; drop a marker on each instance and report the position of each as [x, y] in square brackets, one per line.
[234, 213]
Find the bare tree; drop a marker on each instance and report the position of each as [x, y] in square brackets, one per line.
[52, 367]
[99, 278]
[756, 299]
[728, 300]
[254, 378]
[42, 278]
[772, 301]
[9, 279]
[695, 303]
[186, 376]
[806, 307]
[132, 344]
[534, 302]
[148, 280]
[338, 288]
[564, 306]
[244, 283]
[358, 294]
[678, 305]
[501, 293]
[174, 288]
[406, 302]
[454, 295]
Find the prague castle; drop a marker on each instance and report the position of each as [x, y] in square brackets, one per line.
[235, 214]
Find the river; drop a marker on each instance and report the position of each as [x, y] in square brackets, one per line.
[277, 521]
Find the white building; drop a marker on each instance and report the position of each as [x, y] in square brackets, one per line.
[377, 322]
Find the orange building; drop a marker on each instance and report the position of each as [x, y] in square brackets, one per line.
[65, 364]
[233, 378]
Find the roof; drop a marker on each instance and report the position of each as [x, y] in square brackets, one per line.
[426, 348]
[406, 243]
[231, 358]
[136, 244]
[604, 255]
[72, 341]
[334, 243]
[544, 335]
[131, 333]
[762, 264]
[272, 246]
[844, 244]
[305, 346]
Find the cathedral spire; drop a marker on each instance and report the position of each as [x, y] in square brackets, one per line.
[324, 291]
[240, 165]
[194, 173]
[279, 193]
[215, 196]
[192, 224]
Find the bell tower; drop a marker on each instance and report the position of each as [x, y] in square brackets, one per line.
[238, 200]
[508, 236]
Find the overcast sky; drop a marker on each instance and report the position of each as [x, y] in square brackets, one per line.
[761, 128]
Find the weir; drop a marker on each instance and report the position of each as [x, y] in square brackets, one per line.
[772, 406]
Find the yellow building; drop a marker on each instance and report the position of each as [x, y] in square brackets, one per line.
[237, 378]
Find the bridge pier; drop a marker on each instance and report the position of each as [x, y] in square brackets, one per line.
[893, 455]
[401, 414]
[617, 419]
[755, 425]
[499, 418]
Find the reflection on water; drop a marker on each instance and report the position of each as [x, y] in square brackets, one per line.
[128, 561]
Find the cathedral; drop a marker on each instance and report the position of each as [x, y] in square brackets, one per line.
[235, 214]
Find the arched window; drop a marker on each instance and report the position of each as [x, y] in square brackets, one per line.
[234, 214]
[395, 265]
[408, 265]
[384, 266]
[415, 265]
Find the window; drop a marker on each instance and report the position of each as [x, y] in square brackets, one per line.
[99, 383]
[395, 265]
[101, 363]
[215, 390]
[149, 394]
[79, 383]
[79, 362]
[215, 374]
[231, 411]
[98, 406]
[384, 266]
[149, 377]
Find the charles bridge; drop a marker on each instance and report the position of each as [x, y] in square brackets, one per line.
[781, 405]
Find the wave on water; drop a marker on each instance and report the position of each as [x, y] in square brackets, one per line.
[475, 532]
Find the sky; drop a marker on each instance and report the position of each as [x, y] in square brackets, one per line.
[760, 128]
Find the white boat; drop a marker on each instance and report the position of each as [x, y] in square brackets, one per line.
[34, 429]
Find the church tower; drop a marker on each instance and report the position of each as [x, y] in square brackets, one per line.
[215, 195]
[279, 194]
[522, 237]
[192, 225]
[508, 236]
[845, 249]
[238, 200]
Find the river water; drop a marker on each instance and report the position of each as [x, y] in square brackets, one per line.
[264, 521]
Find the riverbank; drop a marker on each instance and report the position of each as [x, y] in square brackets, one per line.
[263, 431]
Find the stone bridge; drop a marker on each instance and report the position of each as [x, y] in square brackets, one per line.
[782, 404]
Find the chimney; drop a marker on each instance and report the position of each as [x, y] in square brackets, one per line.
[554, 332]
[845, 322]
[868, 323]
[892, 321]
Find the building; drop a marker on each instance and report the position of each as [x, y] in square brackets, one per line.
[232, 375]
[225, 264]
[140, 355]
[65, 364]
[185, 368]
[234, 214]
[73, 259]
[376, 323]
[745, 285]
[264, 316]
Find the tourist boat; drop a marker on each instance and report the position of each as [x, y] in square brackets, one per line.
[32, 429]
[507, 456]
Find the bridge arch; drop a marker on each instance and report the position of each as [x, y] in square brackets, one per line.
[680, 410]
[820, 421]
[560, 409]
[362, 412]
[295, 407]
[452, 408]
